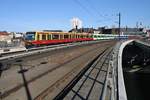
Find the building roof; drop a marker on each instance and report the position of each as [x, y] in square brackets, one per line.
[4, 33]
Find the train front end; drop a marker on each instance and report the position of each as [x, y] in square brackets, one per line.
[29, 39]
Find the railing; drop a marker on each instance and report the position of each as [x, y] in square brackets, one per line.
[111, 84]
[115, 72]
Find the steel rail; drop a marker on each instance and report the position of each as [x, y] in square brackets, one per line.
[31, 51]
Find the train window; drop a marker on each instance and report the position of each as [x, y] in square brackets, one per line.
[70, 36]
[49, 37]
[44, 37]
[38, 37]
[55, 36]
[66, 36]
[76, 36]
[79, 36]
[82, 36]
[95, 36]
[30, 36]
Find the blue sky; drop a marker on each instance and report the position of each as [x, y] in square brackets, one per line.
[28, 15]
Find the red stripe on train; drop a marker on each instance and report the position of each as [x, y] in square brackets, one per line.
[60, 41]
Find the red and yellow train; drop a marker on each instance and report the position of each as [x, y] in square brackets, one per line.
[46, 38]
[37, 38]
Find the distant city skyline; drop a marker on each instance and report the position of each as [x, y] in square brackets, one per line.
[29, 15]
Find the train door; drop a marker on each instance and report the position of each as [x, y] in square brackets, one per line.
[49, 36]
[61, 36]
[44, 37]
[38, 36]
[76, 36]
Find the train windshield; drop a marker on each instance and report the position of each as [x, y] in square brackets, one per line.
[30, 36]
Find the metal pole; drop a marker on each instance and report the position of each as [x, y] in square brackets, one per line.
[119, 23]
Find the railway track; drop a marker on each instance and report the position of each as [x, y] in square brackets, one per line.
[40, 49]
[10, 56]
[66, 77]
[99, 65]
[90, 82]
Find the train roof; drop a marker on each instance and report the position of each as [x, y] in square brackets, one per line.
[110, 35]
[45, 32]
